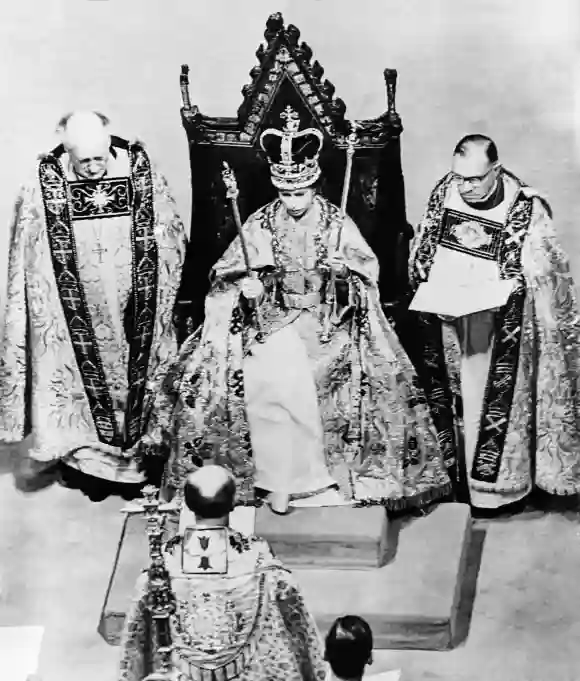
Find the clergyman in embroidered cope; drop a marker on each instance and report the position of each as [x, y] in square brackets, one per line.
[238, 612]
[513, 365]
[95, 256]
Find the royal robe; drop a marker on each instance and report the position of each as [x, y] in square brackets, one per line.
[83, 335]
[513, 371]
[299, 404]
[238, 615]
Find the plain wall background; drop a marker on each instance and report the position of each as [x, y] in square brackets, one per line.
[507, 68]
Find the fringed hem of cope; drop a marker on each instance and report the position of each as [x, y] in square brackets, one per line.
[556, 491]
[404, 503]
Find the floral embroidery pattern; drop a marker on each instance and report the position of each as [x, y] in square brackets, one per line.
[527, 431]
[375, 414]
[471, 234]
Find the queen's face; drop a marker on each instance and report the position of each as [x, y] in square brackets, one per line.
[297, 201]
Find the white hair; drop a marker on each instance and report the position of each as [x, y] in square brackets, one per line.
[82, 128]
[63, 122]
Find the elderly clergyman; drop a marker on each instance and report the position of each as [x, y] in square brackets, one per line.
[486, 261]
[95, 257]
[239, 613]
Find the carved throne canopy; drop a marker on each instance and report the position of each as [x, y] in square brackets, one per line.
[286, 75]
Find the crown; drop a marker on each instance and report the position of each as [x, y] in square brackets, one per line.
[292, 153]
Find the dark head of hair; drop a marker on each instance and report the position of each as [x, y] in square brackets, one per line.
[477, 139]
[349, 645]
[218, 505]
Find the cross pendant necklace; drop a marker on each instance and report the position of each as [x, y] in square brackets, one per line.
[98, 250]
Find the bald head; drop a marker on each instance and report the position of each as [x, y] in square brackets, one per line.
[86, 138]
[210, 492]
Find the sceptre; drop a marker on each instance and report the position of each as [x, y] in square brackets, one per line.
[351, 141]
[232, 193]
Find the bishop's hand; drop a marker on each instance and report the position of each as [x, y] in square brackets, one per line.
[252, 290]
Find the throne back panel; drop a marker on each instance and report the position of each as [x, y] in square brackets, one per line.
[286, 75]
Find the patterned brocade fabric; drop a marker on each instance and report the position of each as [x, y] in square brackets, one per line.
[381, 443]
[83, 336]
[530, 427]
[251, 624]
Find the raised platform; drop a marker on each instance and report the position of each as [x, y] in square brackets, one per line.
[411, 602]
[339, 537]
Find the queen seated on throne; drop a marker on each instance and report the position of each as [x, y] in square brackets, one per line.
[297, 382]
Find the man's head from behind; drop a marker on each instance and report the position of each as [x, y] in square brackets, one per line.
[349, 647]
[475, 167]
[86, 138]
[210, 493]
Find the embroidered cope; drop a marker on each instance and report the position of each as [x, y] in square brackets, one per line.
[248, 624]
[515, 369]
[83, 334]
[312, 404]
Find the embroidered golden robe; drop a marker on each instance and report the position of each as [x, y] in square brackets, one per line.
[515, 370]
[238, 614]
[83, 335]
[297, 405]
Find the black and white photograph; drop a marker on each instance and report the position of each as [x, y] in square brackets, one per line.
[290, 340]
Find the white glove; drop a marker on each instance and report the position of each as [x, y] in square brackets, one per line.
[253, 290]
[338, 266]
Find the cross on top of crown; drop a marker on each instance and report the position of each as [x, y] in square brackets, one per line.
[292, 119]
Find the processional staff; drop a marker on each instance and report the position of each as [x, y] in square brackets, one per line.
[160, 597]
[232, 193]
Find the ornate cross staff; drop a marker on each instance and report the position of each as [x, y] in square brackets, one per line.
[160, 597]
[232, 193]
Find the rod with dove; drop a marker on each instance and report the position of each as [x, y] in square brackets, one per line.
[351, 142]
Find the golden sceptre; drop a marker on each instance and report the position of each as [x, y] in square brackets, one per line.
[351, 142]
[232, 193]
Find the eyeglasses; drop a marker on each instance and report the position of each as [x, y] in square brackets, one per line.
[476, 179]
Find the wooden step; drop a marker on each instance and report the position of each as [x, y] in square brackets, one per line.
[339, 537]
[411, 603]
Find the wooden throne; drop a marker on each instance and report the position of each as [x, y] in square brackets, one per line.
[287, 75]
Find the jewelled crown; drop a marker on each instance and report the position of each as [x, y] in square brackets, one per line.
[292, 153]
